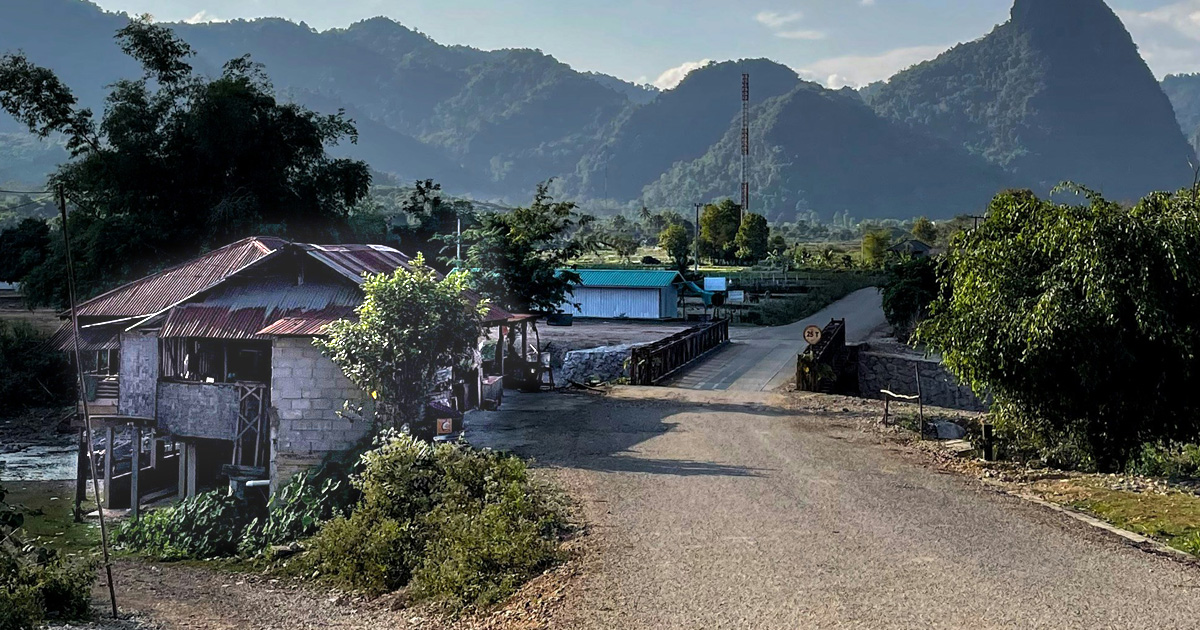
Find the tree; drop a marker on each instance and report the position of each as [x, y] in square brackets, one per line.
[432, 222]
[909, 290]
[677, 242]
[778, 244]
[875, 245]
[22, 248]
[622, 244]
[924, 230]
[719, 225]
[752, 238]
[1081, 321]
[521, 256]
[179, 163]
[411, 324]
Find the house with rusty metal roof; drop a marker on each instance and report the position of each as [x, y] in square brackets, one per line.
[216, 355]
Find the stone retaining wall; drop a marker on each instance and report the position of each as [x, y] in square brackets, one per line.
[607, 363]
[886, 367]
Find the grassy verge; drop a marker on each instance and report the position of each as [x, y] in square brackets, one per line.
[1153, 510]
[49, 522]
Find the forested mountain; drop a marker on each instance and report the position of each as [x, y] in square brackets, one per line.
[825, 150]
[1059, 92]
[1184, 92]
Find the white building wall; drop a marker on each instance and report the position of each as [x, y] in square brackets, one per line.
[616, 302]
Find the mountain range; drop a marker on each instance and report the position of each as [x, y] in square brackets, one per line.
[1059, 92]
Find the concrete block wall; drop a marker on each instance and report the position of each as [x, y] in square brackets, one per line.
[139, 374]
[198, 410]
[896, 372]
[307, 392]
[609, 363]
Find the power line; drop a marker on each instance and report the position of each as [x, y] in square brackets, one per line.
[25, 192]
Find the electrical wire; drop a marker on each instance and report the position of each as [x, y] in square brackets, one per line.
[25, 192]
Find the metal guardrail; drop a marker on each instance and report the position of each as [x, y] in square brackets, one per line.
[649, 365]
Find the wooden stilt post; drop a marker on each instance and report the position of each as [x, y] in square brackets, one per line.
[109, 453]
[135, 470]
[920, 403]
[181, 448]
[81, 475]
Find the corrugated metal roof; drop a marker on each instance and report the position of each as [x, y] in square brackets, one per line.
[628, 278]
[308, 325]
[240, 311]
[90, 338]
[353, 261]
[159, 291]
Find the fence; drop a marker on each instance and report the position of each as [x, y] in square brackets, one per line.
[649, 365]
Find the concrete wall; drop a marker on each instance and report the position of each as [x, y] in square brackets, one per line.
[139, 374]
[885, 368]
[609, 363]
[198, 410]
[614, 303]
[308, 391]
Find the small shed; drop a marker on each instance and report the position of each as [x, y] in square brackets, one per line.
[620, 294]
[911, 247]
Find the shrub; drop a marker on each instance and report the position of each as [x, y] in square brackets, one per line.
[38, 583]
[297, 511]
[461, 526]
[1167, 460]
[208, 525]
[908, 291]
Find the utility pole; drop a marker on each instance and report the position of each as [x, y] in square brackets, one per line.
[87, 418]
[458, 243]
[745, 144]
[697, 239]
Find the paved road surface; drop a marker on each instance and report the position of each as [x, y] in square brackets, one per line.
[713, 511]
[763, 359]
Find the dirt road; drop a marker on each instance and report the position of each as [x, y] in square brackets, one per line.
[764, 359]
[740, 510]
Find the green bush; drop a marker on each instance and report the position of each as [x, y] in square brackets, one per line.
[1167, 460]
[208, 525]
[459, 525]
[36, 583]
[297, 511]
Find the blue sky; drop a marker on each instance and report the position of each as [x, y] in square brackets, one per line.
[836, 42]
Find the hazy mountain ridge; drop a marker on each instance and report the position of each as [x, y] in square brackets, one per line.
[490, 124]
[1059, 92]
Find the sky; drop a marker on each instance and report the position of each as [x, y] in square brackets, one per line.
[835, 42]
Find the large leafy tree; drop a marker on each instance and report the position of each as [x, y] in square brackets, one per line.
[180, 163]
[411, 324]
[677, 242]
[22, 248]
[521, 257]
[752, 238]
[431, 221]
[1082, 322]
[719, 225]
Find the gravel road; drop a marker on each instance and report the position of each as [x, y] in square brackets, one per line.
[764, 359]
[752, 510]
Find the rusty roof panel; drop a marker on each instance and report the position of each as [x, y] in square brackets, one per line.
[307, 325]
[90, 338]
[159, 291]
[240, 311]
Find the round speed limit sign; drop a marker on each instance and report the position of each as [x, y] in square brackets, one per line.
[812, 335]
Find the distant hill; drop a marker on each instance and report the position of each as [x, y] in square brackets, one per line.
[815, 149]
[1184, 92]
[1059, 92]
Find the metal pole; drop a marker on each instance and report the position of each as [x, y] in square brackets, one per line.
[87, 419]
[920, 404]
[458, 245]
[697, 264]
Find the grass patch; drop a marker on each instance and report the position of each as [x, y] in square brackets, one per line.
[49, 522]
[1169, 516]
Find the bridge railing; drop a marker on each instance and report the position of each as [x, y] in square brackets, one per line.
[649, 365]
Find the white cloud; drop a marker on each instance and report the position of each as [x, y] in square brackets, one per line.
[1168, 36]
[802, 34]
[203, 17]
[777, 23]
[673, 76]
[867, 3]
[857, 71]
[774, 20]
